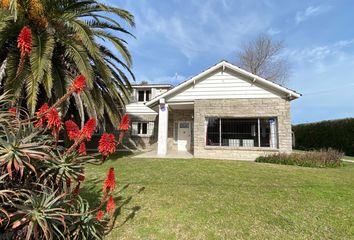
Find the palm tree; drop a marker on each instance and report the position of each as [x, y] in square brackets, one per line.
[69, 37]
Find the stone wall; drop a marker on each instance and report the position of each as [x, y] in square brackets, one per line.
[140, 142]
[273, 107]
[177, 115]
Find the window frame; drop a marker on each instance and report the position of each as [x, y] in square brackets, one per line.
[149, 131]
[147, 95]
[258, 132]
[138, 95]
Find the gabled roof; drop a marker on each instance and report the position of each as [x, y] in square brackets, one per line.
[226, 65]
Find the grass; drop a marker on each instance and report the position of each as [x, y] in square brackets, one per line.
[213, 199]
[348, 158]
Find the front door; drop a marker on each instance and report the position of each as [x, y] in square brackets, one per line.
[184, 136]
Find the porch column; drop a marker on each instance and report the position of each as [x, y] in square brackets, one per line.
[163, 128]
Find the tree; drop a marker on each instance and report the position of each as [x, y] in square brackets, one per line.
[262, 57]
[144, 82]
[67, 39]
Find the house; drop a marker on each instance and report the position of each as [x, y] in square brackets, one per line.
[223, 112]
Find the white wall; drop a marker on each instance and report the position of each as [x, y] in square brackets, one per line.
[139, 108]
[222, 85]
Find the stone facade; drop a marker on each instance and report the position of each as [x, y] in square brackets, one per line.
[178, 115]
[141, 142]
[272, 107]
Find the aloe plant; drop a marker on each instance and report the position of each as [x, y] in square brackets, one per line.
[40, 179]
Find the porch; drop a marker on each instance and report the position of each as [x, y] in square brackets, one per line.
[175, 129]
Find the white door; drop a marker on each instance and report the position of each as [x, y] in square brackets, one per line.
[184, 136]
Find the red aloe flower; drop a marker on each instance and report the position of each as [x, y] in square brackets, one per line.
[82, 149]
[72, 129]
[111, 206]
[110, 181]
[54, 122]
[81, 178]
[68, 182]
[76, 191]
[89, 128]
[123, 127]
[99, 215]
[24, 41]
[124, 123]
[79, 84]
[40, 115]
[107, 144]
[12, 110]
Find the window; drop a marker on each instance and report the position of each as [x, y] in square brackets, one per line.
[141, 96]
[250, 132]
[148, 94]
[144, 95]
[143, 129]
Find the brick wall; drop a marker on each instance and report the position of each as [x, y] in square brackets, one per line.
[273, 107]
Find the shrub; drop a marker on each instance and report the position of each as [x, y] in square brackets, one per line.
[336, 134]
[40, 180]
[321, 158]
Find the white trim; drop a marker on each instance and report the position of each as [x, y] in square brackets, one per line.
[149, 128]
[224, 64]
[181, 103]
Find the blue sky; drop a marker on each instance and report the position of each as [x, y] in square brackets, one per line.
[176, 39]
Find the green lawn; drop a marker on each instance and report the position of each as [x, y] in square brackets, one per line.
[213, 199]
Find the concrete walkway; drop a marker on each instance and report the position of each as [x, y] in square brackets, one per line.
[347, 160]
[174, 154]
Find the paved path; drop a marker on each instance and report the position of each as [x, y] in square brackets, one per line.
[347, 160]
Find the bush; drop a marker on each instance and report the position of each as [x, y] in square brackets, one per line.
[336, 134]
[321, 158]
[40, 180]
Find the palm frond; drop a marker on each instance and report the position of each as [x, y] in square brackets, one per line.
[41, 62]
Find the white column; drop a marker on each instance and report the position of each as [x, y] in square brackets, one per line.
[163, 128]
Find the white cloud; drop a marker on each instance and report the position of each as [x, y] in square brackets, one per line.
[273, 31]
[310, 12]
[174, 79]
[317, 54]
[199, 29]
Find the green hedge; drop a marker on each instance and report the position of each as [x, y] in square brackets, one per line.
[322, 158]
[336, 134]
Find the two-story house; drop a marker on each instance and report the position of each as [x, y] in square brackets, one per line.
[143, 134]
[222, 112]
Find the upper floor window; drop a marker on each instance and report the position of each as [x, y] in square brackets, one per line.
[144, 95]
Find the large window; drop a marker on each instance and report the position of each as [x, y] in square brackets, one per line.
[142, 129]
[245, 132]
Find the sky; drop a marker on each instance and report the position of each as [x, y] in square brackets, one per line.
[177, 39]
